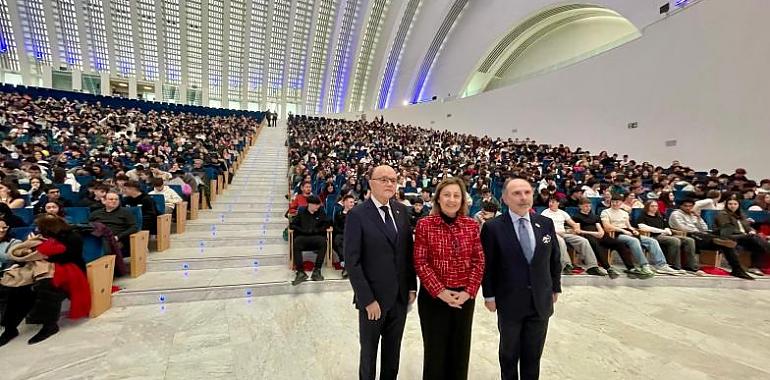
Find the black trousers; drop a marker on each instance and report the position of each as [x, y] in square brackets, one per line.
[389, 328]
[446, 337]
[338, 244]
[705, 241]
[40, 303]
[759, 248]
[521, 344]
[309, 243]
[600, 247]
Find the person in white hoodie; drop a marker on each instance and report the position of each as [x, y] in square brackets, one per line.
[171, 197]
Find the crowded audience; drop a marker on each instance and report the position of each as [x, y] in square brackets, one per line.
[333, 158]
[56, 154]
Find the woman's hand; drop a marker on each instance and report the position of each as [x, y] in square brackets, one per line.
[450, 297]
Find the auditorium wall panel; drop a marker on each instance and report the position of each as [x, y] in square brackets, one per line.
[698, 78]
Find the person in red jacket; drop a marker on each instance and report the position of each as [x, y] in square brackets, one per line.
[41, 303]
[300, 200]
[449, 261]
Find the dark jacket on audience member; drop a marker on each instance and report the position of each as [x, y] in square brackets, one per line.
[120, 221]
[149, 211]
[727, 225]
[339, 223]
[307, 224]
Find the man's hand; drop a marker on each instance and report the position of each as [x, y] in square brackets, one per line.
[373, 311]
[491, 306]
[412, 296]
[450, 297]
[555, 297]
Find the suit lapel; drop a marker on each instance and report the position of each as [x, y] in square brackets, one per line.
[374, 215]
[537, 228]
[512, 240]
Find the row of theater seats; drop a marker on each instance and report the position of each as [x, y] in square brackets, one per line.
[101, 264]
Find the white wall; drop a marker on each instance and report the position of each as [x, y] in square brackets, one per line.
[699, 77]
[478, 29]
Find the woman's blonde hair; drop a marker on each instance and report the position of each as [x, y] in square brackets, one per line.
[447, 182]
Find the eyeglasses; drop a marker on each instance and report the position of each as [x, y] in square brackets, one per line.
[386, 180]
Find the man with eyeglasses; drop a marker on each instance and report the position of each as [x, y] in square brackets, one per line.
[378, 248]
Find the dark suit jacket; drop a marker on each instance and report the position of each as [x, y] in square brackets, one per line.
[509, 278]
[379, 268]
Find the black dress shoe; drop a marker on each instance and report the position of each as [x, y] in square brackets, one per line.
[741, 274]
[8, 336]
[316, 276]
[46, 332]
[344, 273]
[299, 278]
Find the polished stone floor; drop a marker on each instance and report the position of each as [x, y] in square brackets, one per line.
[597, 333]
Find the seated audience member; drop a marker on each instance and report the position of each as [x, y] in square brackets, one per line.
[118, 219]
[309, 226]
[761, 202]
[764, 187]
[338, 235]
[300, 200]
[401, 198]
[34, 171]
[54, 208]
[9, 217]
[417, 212]
[605, 203]
[52, 194]
[40, 303]
[686, 220]
[673, 245]
[94, 200]
[328, 191]
[574, 198]
[186, 180]
[665, 202]
[616, 220]
[486, 196]
[630, 202]
[732, 224]
[427, 197]
[36, 190]
[135, 197]
[601, 242]
[592, 189]
[155, 172]
[579, 243]
[6, 243]
[10, 195]
[710, 203]
[542, 198]
[488, 211]
[171, 198]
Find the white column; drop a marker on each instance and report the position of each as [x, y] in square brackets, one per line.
[77, 80]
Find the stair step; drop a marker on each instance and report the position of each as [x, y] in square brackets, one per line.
[207, 284]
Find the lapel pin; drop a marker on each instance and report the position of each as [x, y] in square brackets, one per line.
[546, 239]
[537, 225]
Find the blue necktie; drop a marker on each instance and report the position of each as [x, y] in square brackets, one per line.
[524, 240]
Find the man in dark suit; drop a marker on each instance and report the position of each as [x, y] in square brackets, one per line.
[521, 280]
[378, 257]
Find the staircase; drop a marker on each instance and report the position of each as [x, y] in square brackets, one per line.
[236, 249]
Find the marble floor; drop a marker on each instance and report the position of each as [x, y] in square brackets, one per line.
[597, 333]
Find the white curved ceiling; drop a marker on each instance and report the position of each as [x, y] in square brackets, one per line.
[322, 56]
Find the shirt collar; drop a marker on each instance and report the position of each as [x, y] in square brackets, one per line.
[377, 203]
[515, 217]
